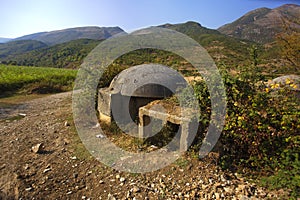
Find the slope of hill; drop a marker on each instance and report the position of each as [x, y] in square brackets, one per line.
[190, 28]
[66, 35]
[221, 47]
[65, 55]
[18, 47]
[262, 25]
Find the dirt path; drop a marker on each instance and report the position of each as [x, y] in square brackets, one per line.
[63, 170]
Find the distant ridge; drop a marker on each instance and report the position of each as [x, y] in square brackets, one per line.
[263, 24]
[66, 35]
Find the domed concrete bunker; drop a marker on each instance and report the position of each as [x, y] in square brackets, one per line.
[136, 87]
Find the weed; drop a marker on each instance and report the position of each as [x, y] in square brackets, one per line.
[182, 162]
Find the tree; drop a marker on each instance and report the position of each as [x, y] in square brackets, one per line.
[253, 50]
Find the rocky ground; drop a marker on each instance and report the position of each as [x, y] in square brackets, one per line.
[42, 158]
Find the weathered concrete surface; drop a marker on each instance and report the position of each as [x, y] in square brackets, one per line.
[170, 113]
[149, 80]
[136, 87]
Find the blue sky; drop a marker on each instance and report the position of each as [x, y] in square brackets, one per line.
[21, 17]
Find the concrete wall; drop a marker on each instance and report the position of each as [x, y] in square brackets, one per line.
[126, 108]
[123, 107]
[104, 101]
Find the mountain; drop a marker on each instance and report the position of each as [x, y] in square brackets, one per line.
[19, 47]
[66, 55]
[3, 40]
[66, 35]
[190, 28]
[221, 47]
[263, 24]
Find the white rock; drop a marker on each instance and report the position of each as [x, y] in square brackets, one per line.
[100, 136]
[26, 167]
[122, 179]
[74, 158]
[37, 148]
[47, 170]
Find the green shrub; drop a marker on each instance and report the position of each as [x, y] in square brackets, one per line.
[261, 132]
